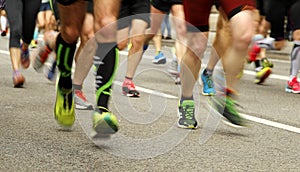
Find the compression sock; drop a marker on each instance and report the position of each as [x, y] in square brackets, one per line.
[106, 62]
[64, 57]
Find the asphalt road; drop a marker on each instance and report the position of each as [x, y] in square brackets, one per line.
[148, 139]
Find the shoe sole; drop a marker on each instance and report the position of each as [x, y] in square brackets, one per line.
[130, 95]
[163, 61]
[264, 77]
[80, 107]
[288, 90]
[208, 94]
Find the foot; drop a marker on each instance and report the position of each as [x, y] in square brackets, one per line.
[186, 113]
[262, 74]
[105, 123]
[159, 59]
[128, 89]
[81, 101]
[64, 110]
[41, 58]
[25, 60]
[293, 86]
[18, 79]
[173, 68]
[208, 84]
[226, 107]
[266, 63]
[51, 72]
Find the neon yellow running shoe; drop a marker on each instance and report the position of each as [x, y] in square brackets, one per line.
[104, 123]
[64, 109]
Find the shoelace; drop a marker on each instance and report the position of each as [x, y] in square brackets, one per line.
[189, 109]
[209, 82]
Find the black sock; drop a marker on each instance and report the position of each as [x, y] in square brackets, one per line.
[106, 62]
[257, 63]
[64, 50]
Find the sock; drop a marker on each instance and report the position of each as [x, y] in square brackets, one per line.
[64, 57]
[106, 62]
[77, 87]
[129, 78]
[295, 59]
[207, 72]
[3, 21]
[185, 98]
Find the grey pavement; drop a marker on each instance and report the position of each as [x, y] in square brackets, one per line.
[148, 139]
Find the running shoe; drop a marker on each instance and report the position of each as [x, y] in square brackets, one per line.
[226, 107]
[64, 111]
[105, 123]
[18, 79]
[25, 60]
[51, 72]
[3, 33]
[208, 84]
[159, 58]
[266, 63]
[42, 56]
[173, 68]
[293, 86]
[81, 101]
[177, 80]
[128, 89]
[186, 114]
[33, 44]
[262, 75]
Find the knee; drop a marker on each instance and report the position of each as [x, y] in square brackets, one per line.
[137, 42]
[242, 41]
[107, 25]
[122, 44]
[70, 34]
[15, 36]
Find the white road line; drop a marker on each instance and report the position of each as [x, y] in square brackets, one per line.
[271, 123]
[4, 52]
[248, 117]
[146, 90]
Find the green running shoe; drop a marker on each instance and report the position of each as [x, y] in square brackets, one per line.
[186, 113]
[105, 123]
[64, 109]
[226, 107]
[266, 63]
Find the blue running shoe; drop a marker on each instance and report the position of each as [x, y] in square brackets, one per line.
[160, 58]
[208, 84]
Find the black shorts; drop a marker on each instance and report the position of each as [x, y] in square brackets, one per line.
[45, 6]
[90, 7]
[133, 9]
[262, 6]
[278, 9]
[165, 5]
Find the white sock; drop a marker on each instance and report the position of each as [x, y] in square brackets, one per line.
[3, 21]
